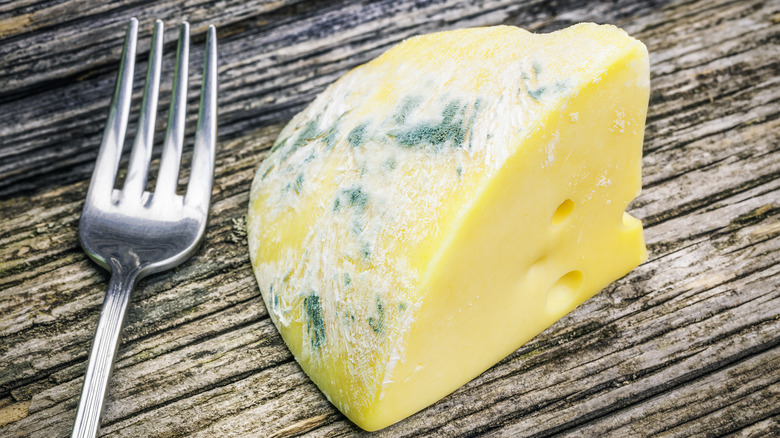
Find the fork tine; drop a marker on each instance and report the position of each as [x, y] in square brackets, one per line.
[102, 183]
[142, 148]
[174, 136]
[202, 173]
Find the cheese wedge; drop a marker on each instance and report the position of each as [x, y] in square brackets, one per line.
[439, 206]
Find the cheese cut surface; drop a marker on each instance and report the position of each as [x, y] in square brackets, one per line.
[439, 206]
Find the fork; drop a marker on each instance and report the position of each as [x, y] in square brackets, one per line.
[132, 232]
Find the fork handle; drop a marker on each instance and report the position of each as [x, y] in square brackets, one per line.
[104, 348]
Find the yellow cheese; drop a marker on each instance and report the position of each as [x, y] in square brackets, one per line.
[439, 206]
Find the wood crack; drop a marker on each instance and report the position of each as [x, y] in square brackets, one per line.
[696, 204]
[656, 391]
[220, 384]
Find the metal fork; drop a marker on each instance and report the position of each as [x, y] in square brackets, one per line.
[132, 232]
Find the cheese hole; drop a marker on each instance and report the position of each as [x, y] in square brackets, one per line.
[629, 221]
[563, 212]
[563, 292]
[536, 275]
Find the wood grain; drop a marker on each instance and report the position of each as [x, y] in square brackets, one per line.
[688, 344]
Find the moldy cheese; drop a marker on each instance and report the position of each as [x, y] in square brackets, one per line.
[439, 206]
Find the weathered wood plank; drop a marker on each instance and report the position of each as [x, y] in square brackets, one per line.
[687, 344]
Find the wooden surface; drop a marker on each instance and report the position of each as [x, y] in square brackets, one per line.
[688, 344]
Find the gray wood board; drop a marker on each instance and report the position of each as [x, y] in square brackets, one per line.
[688, 344]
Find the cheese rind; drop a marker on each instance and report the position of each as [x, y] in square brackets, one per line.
[434, 209]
